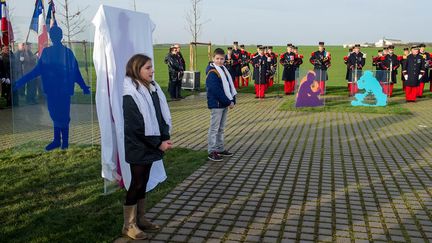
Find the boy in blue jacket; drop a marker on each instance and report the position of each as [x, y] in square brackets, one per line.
[220, 96]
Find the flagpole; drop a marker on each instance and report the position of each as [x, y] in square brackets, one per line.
[28, 32]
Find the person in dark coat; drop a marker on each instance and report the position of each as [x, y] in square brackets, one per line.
[428, 62]
[321, 60]
[287, 60]
[390, 63]
[237, 65]
[146, 137]
[175, 72]
[413, 71]
[231, 62]
[403, 61]
[6, 77]
[244, 64]
[356, 62]
[261, 68]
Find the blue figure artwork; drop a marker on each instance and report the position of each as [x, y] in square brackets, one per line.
[59, 71]
[371, 86]
[308, 94]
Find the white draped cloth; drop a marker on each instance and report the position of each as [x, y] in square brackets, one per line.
[119, 34]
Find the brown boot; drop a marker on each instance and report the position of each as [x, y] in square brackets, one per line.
[130, 227]
[142, 222]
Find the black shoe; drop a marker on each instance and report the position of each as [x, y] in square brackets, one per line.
[225, 153]
[214, 156]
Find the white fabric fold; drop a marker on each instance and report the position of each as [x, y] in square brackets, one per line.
[227, 82]
[144, 101]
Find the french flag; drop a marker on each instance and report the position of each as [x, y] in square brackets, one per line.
[6, 26]
[38, 25]
[50, 19]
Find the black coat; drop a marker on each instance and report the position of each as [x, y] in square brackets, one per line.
[175, 67]
[288, 62]
[236, 66]
[231, 63]
[141, 149]
[261, 68]
[413, 67]
[427, 57]
[355, 60]
[387, 62]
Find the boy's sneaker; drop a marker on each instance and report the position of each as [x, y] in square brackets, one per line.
[214, 156]
[225, 153]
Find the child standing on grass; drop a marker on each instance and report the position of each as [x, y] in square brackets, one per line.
[147, 125]
[221, 95]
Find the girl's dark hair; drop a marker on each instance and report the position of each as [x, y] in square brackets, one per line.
[133, 67]
[218, 51]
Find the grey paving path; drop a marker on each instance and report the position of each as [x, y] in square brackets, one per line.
[299, 177]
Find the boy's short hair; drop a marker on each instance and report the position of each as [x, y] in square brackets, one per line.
[218, 51]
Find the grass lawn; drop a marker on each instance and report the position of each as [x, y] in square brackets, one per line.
[336, 72]
[337, 100]
[57, 196]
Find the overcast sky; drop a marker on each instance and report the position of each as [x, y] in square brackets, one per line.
[273, 22]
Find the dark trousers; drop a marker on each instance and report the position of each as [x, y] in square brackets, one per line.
[174, 89]
[137, 190]
[6, 93]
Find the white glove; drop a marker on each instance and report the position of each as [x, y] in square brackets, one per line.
[420, 76]
[7, 81]
[406, 77]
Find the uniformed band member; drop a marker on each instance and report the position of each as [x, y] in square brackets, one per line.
[321, 60]
[413, 71]
[403, 61]
[376, 62]
[287, 60]
[346, 63]
[231, 62]
[244, 64]
[389, 63]
[298, 61]
[427, 57]
[261, 67]
[272, 59]
[237, 67]
[356, 62]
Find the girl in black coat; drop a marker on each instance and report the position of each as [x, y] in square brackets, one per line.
[146, 138]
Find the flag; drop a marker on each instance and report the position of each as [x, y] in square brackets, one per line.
[6, 26]
[50, 19]
[38, 25]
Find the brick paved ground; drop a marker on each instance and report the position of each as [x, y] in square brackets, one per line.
[345, 177]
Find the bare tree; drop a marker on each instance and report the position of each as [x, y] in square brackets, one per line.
[73, 21]
[194, 21]
[16, 31]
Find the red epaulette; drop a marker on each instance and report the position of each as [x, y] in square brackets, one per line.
[382, 58]
[399, 58]
[301, 56]
[312, 54]
[345, 58]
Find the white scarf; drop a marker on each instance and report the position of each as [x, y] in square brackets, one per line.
[144, 101]
[227, 83]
